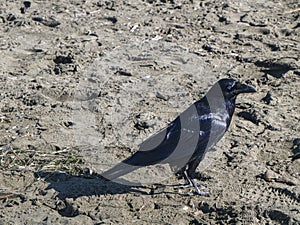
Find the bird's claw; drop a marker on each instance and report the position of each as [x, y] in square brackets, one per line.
[200, 192]
[203, 193]
[191, 185]
[197, 191]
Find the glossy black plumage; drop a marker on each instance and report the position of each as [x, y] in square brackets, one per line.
[185, 141]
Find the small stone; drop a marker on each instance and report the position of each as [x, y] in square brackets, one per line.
[267, 99]
[27, 4]
[60, 59]
[160, 96]
[141, 125]
[123, 73]
[296, 141]
[11, 17]
[185, 208]
[270, 175]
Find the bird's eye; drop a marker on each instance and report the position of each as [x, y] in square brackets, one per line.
[230, 86]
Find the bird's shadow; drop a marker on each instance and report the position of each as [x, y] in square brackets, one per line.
[70, 186]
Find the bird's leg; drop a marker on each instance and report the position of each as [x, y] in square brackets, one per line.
[198, 191]
[189, 182]
[192, 183]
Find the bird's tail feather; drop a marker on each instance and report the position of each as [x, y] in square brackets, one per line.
[118, 171]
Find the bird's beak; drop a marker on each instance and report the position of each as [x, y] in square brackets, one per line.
[243, 88]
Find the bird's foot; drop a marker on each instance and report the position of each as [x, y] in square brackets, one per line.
[201, 193]
[191, 185]
[197, 191]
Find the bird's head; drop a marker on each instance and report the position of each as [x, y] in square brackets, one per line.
[231, 88]
[223, 94]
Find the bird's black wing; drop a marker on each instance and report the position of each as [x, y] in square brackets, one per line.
[152, 151]
[174, 144]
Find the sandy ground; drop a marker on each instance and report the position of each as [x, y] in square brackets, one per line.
[84, 82]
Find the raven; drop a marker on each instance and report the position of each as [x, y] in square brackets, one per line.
[185, 141]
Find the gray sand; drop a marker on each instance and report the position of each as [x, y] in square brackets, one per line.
[82, 84]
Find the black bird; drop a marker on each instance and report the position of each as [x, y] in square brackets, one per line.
[185, 141]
